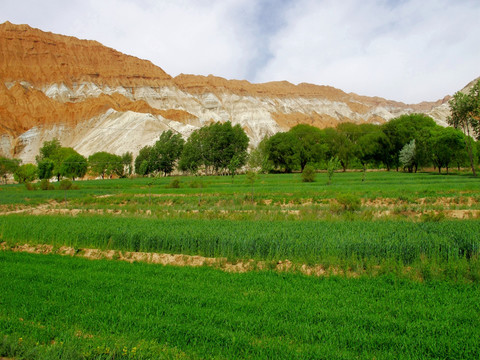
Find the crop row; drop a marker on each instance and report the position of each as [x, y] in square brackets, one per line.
[304, 241]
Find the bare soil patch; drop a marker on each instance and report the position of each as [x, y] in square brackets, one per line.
[180, 260]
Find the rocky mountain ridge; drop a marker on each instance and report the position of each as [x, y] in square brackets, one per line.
[94, 98]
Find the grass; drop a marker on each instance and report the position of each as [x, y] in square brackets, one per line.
[74, 308]
[359, 243]
[415, 294]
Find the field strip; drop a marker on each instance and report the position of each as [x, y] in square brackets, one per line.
[179, 260]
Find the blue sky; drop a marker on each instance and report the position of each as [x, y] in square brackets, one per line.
[405, 50]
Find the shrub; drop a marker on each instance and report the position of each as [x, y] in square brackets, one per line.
[308, 174]
[174, 184]
[349, 202]
[67, 185]
[46, 185]
[29, 186]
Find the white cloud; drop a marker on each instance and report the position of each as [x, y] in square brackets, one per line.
[408, 50]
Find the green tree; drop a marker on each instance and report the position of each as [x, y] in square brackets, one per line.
[373, 148]
[49, 149]
[103, 163]
[311, 146]
[142, 161]
[465, 115]
[332, 165]
[283, 152]
[74, 166]
[402, 130]
[192, 156]
[165, 152]
[446, 144]
[25, 173]
[8, 166]
[407, 156]
[341, 146]
[258, 158]
[45, 168]
[217, 146]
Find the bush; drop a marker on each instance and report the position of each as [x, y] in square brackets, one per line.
[174, 184]
[46, 185]
[67, 185]
[29, 186]
[349, 202]
[308, 174]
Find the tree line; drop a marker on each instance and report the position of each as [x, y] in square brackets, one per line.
[407, 142]
[60, 162]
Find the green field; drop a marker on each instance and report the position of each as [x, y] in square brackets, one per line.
[400, 254]
[64, 307]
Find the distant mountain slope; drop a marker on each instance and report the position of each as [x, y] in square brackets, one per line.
[94, 98]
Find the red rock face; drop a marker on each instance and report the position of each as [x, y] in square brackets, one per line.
[44, 58]
[31, 60]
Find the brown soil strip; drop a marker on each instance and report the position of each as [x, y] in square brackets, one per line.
[179, 260]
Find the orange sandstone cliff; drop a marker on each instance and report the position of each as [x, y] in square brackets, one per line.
[94, 98]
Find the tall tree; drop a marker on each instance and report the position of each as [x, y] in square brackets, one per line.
[446, 144]
[282, 149]
[311, 146]
[142, 161]
[45, 168]
[74, 166]
[465, 114]
[403, 129]
[165, 152]
[103, 163]
[25, 173]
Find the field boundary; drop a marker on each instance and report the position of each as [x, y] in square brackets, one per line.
[165, 259]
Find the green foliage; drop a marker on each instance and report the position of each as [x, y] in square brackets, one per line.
[165, 152]
[7, 167]
[283, 151]
[25, 173]
[106, 164]
[66, 184]
[349, 202]
[332, 165]
[258, 158]
[407, 156]
[74, 166]
[127, 161]
[448, 144]
[142, 161]
[219, 146]
[311, 144]
[46, 185]
[45, 168]
[465, 115]
[29, 186]
[308, 174]
[174, 184]
[402, 130]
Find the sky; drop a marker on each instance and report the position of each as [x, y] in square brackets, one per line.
[404, 50]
